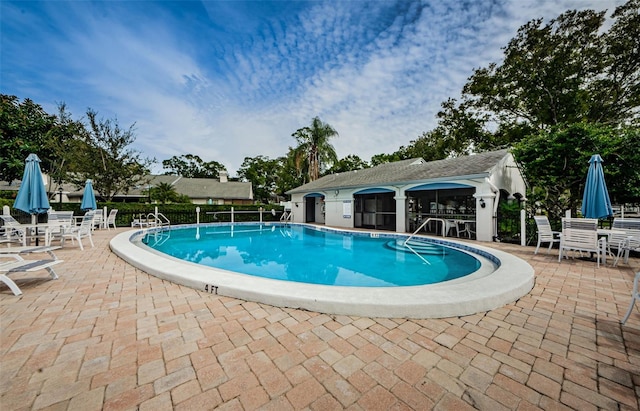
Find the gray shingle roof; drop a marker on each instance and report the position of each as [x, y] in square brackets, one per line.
[194, 188]
[406, 171]
[207, 187]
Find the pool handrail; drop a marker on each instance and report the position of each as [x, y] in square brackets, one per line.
[285, 217]
[157, 220]
[425, 222]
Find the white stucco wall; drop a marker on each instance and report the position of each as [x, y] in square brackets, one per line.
[506, 176]
[297, 205]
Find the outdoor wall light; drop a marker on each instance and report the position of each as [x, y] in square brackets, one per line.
[337, 192]
[482, 203]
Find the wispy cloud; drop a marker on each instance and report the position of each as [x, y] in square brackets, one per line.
[226, 80]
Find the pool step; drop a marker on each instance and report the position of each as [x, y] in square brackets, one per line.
[416, 247]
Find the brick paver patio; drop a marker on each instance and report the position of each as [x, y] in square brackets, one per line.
[107, 336]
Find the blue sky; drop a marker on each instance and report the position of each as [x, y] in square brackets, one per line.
[232, 79]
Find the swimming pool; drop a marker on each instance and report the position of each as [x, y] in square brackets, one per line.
[310, 255]
[501, 279]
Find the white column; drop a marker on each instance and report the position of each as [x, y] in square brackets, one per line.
[523, 227]
[401, 213]
[485, 199]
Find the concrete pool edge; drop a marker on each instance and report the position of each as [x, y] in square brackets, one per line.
[513, 279]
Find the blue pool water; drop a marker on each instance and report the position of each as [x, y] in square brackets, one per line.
[310, 255]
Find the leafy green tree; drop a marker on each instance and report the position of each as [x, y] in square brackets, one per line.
[192, 166]
[26, 128]
[616, 93]
[103, 154]
[564, 91]
[315, 148]
[61, 138]
[556, 163]
[23, 129]
[543, 75]
[460, 131]
[291, 173]
[263, 173]
[569, 70]
[348, 163]
[383, 158]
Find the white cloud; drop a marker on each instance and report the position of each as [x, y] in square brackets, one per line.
[197, 81]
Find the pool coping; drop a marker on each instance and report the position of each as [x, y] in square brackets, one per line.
[512, 279]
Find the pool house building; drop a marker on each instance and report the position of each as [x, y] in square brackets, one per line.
[451, 197]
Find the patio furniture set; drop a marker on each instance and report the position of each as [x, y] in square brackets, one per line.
[583, 235]
[59, 226]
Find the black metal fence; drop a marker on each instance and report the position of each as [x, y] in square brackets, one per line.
[508, 222]
[177, 214]
[125, 218]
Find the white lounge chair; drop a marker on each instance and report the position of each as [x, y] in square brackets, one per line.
[13, 230]
[581, 234]
[81, 231]
[12, 251]
[545, 233]
[20, 265]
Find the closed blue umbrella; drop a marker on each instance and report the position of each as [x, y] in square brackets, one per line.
[88, 197]
[595, 201]
[32, 197]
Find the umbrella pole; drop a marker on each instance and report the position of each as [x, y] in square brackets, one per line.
[34, 220]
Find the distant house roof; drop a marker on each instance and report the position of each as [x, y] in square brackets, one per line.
[407, 171]
[194, 188]
[204, 188]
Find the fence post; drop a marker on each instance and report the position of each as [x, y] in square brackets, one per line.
[232, 214]
[156, 210]
[197, 215]
[260, 214]
[523, 227]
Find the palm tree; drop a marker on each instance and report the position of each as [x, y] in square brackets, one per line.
[164, 192]
[314, 147]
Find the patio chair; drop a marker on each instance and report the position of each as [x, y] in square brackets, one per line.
[450, 225]
[111, 218]
[581, 234]
[98, 219]
[635, 296]
[545, 233]
[81, 231]
[21, 265]
[625, 246]
[625, 237]
[65, 221]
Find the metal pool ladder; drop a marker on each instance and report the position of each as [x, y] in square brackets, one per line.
[424, 223]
